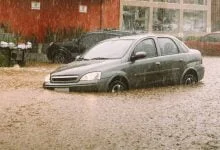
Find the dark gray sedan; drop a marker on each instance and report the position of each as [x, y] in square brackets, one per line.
[129, 62]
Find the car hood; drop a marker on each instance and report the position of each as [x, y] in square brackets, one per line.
[82, 67]
[66, 43]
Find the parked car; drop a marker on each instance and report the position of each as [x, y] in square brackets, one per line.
[208, 44]
[65, 52]
[129, 62]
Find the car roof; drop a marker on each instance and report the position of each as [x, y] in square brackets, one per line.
[144, 35]
[115, 32]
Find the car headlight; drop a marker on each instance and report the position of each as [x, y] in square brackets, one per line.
[47, 78]
[91, 76]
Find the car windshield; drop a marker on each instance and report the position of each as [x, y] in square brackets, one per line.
[112, 49]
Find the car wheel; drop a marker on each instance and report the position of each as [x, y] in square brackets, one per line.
[59, 58]
[189, 79]
[117, 86]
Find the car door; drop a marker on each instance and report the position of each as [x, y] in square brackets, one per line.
[142, 72]
[171, 60]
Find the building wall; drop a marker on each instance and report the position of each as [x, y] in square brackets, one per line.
[60, 14]
[111, 13]
[57, 14]
[215, 15]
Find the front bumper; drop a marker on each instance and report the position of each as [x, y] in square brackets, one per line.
[81, 86]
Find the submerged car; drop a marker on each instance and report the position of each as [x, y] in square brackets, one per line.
[129, 62]
[65, 52]
[208, 44]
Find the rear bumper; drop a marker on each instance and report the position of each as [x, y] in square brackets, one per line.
[200, 72]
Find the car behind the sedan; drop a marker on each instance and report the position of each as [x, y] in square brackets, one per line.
[208, 44]
[129, 62]
[65, 52]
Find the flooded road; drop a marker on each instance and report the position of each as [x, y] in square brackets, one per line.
[172, 117]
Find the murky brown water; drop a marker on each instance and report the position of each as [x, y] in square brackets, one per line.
[173, 117]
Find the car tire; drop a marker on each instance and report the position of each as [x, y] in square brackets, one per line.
[117, 86]
[60, 57]
[190, 79]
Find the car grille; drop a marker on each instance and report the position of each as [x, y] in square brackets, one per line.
[64, 79]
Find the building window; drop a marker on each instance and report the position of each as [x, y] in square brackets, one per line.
[135, 18]
[200, 2]
[166, 19]
[169, 1]
[194, 21]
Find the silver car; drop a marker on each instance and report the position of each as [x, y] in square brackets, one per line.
[129, 62]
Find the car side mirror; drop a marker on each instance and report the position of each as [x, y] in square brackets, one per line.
[138, 55]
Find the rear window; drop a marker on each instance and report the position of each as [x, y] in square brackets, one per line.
[167, 46]
[182, 47]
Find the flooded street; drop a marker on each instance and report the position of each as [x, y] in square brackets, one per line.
[171, 117]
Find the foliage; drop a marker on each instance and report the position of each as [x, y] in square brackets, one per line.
[4, 28]
[3, 60]
[192, 38]
[63, 34]
[7, 35]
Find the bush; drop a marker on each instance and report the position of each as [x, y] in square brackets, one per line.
[192, 38]
[3, 60]
[63, 34]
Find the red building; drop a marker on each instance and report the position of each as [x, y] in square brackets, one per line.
[34, 18]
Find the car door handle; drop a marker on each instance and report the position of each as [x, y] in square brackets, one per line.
[157, 63]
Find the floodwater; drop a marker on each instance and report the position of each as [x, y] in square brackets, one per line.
[171, 117]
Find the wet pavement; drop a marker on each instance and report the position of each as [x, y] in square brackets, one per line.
[170, 117]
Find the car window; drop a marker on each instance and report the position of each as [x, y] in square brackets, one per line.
[147, 46]
[167, 46]
[90, 40]
[111, 49]
[182, 47]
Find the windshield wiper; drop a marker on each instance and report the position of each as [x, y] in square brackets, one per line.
[81, 58]
[99, 58]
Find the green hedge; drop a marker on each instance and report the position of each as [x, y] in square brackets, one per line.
[62, 34]
[192, 38]
[8, 37]
[4, 58]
